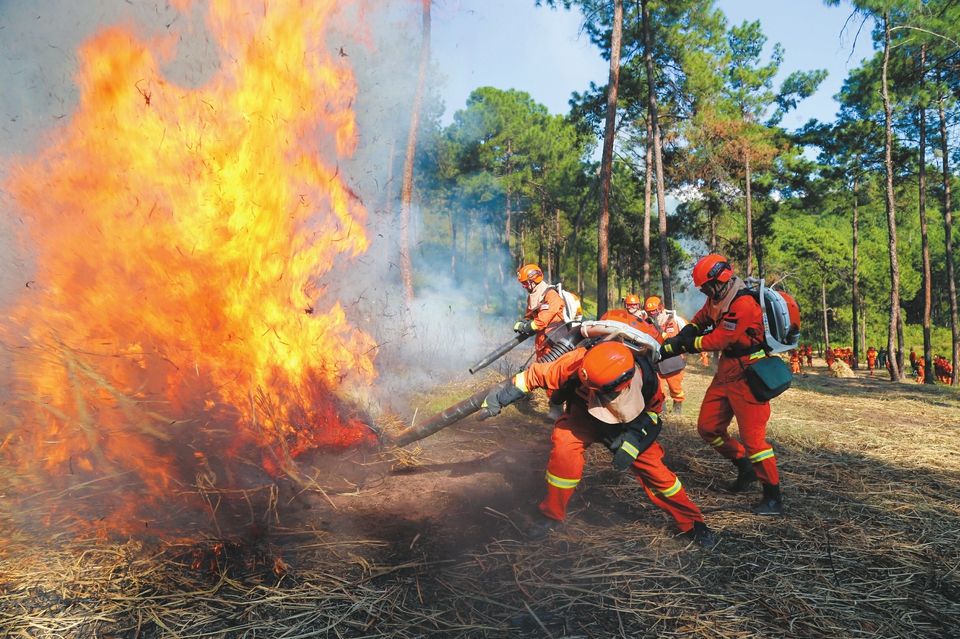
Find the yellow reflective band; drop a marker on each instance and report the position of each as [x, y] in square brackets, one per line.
[717, 442]
[697, 342]
[652, 415]
[693, 325]
[673, 490]
[679, 396]
[534, 326]
[763, 454]
[520, 381]
[560, 482]
[758, 355]
[630, 449]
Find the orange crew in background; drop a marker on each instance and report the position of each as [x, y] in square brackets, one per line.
[737, 322]
[544, 306]
[794, 361]
[669, 324]
[632, 304]
[871, 359]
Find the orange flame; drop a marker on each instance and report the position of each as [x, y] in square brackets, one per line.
[181, 237]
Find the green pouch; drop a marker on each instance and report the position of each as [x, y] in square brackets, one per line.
[768, 378]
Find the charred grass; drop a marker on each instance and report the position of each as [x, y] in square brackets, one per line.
[432, 543]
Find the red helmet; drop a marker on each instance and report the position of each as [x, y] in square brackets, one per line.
[794, 310]
[607, 367]
[710, 268]
[529, 273]
[653, 304]
[631, 300]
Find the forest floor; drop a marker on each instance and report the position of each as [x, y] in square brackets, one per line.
[428, 541]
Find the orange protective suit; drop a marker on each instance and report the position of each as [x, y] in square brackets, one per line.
[669, 324]
[545, 308]
[740, 328]
[577, 429]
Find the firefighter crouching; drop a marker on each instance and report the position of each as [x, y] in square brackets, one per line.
[738, 332]
[616, 400]
[669, 324]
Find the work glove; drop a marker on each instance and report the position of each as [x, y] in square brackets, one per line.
[674, 346]
[499, 397]
[525, 327]
[689, 331]
[637, 436]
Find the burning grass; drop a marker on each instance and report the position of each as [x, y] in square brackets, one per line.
[869, 545]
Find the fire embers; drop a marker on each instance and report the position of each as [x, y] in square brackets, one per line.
[253, 559]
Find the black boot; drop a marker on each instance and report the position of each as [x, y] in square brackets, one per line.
[772, 503]
[677, 407]
[702, 536]
[746, 475]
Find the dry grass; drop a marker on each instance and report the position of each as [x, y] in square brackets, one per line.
[869, 545]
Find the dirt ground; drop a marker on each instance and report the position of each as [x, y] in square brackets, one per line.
[428, 541]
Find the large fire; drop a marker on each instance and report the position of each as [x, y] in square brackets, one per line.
[181, 240]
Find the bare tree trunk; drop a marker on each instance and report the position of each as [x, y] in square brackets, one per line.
[653, 116]
[856, 274]
[647, 201]
[823, 304]
[894, 348]
[453, 247]
[928, 377]
[606, 163]
[558, 252]
[406, 190]
[948, 236]
[746, 168]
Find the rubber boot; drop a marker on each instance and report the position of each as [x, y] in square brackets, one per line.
[772, 502]
[746, 475]
[677, 407]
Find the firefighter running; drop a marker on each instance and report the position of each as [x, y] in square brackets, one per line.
[615, 400]
[669, 324]
[738, 332]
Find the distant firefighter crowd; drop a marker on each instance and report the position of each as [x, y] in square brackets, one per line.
[803, 356]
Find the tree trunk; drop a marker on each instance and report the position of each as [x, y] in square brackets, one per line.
[746, 169]
[606, 163]
[453, 247]
[823, 305]
[647, 201]
[406, 189]
[894, 348]
[654, 118]
[856, 274]
[948, 236]
[928, 377]
[557, 251]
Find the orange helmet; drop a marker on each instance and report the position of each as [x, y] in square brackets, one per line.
[631, 300]
[607, 367]
[710, 268]
[529, 273]
[794, 310]
[653, 304]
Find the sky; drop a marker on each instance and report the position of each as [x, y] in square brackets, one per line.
[512, 44]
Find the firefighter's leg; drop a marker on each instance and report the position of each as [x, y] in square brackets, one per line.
[674, 384]
[572, 435]
[752, 419]
[664, 489]
[714, 420]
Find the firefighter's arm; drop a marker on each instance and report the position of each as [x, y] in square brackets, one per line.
[539, 375]
[683, 342]
[743, 313]
[637, 436]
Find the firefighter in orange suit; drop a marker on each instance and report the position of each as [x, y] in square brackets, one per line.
[738, 332]
[616, 400]
[544, 306]
[669, 324]
[794, 361]
[871, 359]
[632, 304]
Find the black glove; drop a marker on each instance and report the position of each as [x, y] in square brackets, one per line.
[673, 347]
[499, 397]
[689, 331]
[524, 327]
[637, 436]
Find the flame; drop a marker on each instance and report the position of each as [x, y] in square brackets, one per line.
[181, 239]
